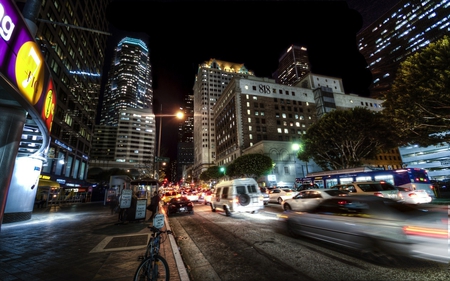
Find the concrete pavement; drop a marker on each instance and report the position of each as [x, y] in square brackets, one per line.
[80, 241]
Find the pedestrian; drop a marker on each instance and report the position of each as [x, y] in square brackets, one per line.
[154, 204]
[113, 204]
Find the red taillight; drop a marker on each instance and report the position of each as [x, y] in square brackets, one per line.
[343, 202]
[412, 195]
[379, 194]
[426, 231]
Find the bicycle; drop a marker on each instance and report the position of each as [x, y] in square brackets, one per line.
[153, 266]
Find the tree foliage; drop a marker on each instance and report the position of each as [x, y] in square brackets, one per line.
[212, 172]
[251, 165]
[341, 139]
[419, 101]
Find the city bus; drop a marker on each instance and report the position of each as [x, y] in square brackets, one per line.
[410, 178]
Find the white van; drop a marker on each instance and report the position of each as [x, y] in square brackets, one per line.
[238, 195]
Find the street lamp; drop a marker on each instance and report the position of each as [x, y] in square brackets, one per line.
[178, 115]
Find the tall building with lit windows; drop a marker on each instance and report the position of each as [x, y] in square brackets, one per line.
[211, 79]
[406, 28]
[185, 146]
[125, 137]
[257, 115]
[73, 38]
[129, 80]
[293, 65]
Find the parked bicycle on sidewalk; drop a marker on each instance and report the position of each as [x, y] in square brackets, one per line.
[153, 266]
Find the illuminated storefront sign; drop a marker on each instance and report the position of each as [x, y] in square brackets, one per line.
[21, 62]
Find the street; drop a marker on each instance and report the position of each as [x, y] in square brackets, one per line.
[258, 247]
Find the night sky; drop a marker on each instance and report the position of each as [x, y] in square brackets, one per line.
[183, 34]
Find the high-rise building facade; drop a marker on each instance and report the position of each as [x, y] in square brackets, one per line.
[293, 65]
[211, 79]
[76, 57]
[129, 80]
[185, 147]
[126, 135]
[406, 28]
[257, 115]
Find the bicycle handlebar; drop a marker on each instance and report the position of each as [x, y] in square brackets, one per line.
[159, 231]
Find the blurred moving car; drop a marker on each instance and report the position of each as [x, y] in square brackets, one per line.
[193, 196]
[206, 196]
[168, 195]
[180, 205]
[278, 195]
[310, 198]
[265, 195]
[419, 196]
[378, 188]
[237, 196]
[305, 186]
[380, 228]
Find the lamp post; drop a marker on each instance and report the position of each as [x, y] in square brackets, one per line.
[179, 115]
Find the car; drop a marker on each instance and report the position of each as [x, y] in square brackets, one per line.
[307, 199]
[378, 228]
[179, 205]
[168, 195]
[206, 196]
[193, 196]
[237, 196]
[304, 186]
[418, 196]
[265, 195]
[277, 195]
[377, 188]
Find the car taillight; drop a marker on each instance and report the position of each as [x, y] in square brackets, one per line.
[426, 231]
[379, 194]
[412, 195]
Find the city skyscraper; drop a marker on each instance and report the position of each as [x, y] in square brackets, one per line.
[73, 37]
[129, 81]
[403, 30]
[185, 147]
[293, 65]
[211, 79]
[406, 28]
[125, 137]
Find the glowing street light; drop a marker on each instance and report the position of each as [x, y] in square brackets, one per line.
[179, 115]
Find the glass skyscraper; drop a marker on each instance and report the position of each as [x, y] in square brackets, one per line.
[406, 28]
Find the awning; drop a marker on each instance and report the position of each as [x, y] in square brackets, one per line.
[48, 183]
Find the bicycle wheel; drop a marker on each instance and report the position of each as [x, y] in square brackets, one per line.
[152, 269]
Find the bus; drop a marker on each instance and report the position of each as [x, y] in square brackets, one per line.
[410, 178]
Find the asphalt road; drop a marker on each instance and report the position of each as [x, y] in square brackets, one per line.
[258, 247]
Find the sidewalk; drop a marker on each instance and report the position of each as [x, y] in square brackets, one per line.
[80, 241]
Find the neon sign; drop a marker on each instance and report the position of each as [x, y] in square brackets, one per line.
[22, 64]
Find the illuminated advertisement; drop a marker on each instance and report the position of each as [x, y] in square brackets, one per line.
[21, 62]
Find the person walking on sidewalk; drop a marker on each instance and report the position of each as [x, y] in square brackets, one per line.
[154, 204]
[113, 204]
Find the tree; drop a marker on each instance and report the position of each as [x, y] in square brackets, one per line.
[419, 101]
[341, 139]
[252, 165]
[212, 172]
